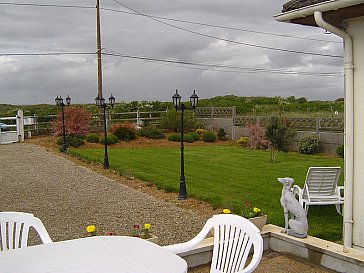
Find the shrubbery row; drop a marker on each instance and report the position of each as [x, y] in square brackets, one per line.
[72, 140]
[151, 132]
[78, 121]
[206, 136]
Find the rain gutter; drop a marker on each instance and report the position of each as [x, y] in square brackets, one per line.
[349, 124]
[322, 7]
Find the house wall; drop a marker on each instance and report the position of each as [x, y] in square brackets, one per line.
[355, 29]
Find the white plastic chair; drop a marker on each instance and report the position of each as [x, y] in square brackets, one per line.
[14, 230]
[234, 238]
[320, 188]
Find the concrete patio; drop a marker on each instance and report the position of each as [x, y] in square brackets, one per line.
[297, 255]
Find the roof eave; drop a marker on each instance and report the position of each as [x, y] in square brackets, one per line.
[309, 10]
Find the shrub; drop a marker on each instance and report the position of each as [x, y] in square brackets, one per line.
[278, 133]
[72, 140]
[243, 142]
[309, 145]
[116, 139]
[110, 139]
[174, 137]
[221, 134]
[188, 138]
[92, 138]
[208, 136]
[60, 141]
[196, 136]
[151, 132]
[171, 120]
[124, 131]
[340, 151]
[76, 119]
[257, 138]
[199, 131]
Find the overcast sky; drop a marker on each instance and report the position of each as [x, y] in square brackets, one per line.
[225, 65]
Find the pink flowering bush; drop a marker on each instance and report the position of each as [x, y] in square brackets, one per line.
[257, 139]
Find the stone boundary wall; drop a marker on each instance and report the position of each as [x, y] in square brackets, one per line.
[329, 140]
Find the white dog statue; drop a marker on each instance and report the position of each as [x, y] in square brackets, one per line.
[298, 222]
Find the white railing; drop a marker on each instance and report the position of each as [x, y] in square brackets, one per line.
[15, 128]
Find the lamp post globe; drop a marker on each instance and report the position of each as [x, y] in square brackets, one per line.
[194, 100]
[176, 98]
[111, 101]
[58, 100]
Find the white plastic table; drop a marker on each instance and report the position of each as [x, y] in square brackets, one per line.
[109, 254]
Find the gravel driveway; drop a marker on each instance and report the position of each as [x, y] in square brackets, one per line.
[68, 197]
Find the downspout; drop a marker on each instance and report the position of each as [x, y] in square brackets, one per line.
[349, 125]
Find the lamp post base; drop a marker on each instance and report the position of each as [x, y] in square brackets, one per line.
[64, 148]
[182, 195]
[106, 162]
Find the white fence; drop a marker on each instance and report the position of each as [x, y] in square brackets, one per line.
[14, 131]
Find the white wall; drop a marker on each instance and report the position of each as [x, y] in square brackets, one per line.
[356, 30]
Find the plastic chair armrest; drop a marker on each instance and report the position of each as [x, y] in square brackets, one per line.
[191, 244]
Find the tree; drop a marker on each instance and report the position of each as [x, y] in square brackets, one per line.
[278, 133]
[291, 99]
[301, 100]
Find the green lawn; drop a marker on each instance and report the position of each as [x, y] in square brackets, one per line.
[226, 176]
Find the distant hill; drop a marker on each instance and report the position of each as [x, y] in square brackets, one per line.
[244, 105]
[269, 105]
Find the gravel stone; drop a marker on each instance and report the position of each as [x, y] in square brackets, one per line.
[68, 197]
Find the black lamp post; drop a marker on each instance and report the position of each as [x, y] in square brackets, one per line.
[100, 102]
[182, 195]
[59, 102]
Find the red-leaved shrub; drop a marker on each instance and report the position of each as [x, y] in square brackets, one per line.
[124, 131]
[76, 119]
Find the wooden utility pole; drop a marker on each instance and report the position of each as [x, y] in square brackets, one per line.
[99, 65]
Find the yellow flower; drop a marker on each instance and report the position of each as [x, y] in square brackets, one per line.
[256, 210]
[226, 211]
[91, 229]
[146, 226]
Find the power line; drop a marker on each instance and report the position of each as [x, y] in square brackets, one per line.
[208, 66]
[223, 27]
[47, 54]
[135, 12]
[189, 64]
[227, 40]
[172, 19]
[46, 5]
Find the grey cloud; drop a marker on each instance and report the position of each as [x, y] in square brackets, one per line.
[30, 80]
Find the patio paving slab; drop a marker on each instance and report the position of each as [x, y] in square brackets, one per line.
[273, 262]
